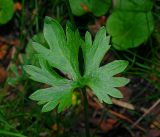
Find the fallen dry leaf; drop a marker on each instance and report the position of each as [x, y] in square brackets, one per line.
[95, 27]
[127, 92]
[85, 7]
[57, 128]
[104, 125]
[3, 74]
[17, 6]
[153, 133]
[3, 50]
[108, 124]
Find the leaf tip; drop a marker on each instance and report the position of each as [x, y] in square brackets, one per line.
[109, 102]
[44, 109]
[32, 96]
[47, 19]
[103, 29]
[127, 81]
[26, 68]
[126, 62]
[120, 95]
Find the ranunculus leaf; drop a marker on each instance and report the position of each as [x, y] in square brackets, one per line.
[62, 54]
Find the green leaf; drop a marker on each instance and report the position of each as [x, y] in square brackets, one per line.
[6, 10]
[113, 92]
[99, 91]
[100, 79]
[73, 43]
[44, 76]
[61, 57]
[104, 84]
[103, 88]
[130, 24]
[63, 99]
[77, 7]
[50, 105]
[114, 67]
[93, 54]
[30, 56]
[128, 33]
[40, 39]
[49, 94]
[53, 96]
[10, 134]
[65, 102]
[80, 7]
[133, 5]
[118, 81]
[100, 7]
[54, 35]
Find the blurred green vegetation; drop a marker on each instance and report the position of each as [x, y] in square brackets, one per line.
[135, 32]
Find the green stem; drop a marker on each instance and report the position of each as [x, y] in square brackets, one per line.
[85, 103]
[70, 13]
[37, 20]
[8, 133]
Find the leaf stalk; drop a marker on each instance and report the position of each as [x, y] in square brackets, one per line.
[85, 103]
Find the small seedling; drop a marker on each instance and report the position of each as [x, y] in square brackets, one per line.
[61, 58]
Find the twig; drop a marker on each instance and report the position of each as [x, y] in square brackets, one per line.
[146, 113]
[119, 103]
[86, 112]
[121, 116]
[128, 105]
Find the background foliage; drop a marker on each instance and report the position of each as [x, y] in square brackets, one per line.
[135, 32]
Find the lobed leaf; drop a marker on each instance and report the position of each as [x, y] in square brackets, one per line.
[73, 43]
[113, 68]
[53, 96]
[44, 76]
[103, 88]
[50, 105]
[61, 53]
[104, 84]
[93, 54]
